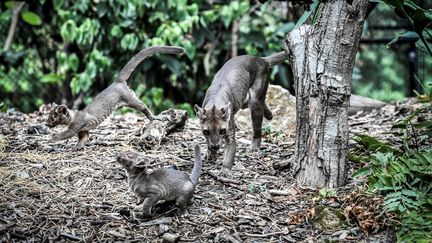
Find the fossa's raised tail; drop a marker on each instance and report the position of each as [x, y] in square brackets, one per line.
[196, 170]
[275, 59]
[143, 54]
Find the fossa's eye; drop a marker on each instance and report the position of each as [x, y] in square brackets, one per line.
[222, 131]
[206, 132]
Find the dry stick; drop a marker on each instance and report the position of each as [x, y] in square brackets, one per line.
[224, 180]
[265, 235]
[15, 13]
[279, 192]
[7, 226]
[157, 222]
[71, 237]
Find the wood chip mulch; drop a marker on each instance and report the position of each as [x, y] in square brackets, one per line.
[50, 192]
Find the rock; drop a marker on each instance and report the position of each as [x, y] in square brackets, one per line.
[327, 218]
[37, 129]
[283, 106]
[359, 103]
[171, 238]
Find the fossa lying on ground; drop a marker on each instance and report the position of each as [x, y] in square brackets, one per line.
[240, 83]
[116, 95]
[163, 184]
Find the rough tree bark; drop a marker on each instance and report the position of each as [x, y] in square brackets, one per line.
[322, 58]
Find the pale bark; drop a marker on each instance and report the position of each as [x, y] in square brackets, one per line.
[322, 58]
[15, 14]
[163, 124]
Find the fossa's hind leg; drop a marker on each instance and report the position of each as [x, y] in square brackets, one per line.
[258, 109]
[257, 114]
[83, 137]
[185, 197]
[148, 205]
[133, 102]
[267, 112]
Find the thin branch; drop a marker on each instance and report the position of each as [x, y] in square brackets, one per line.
[15, 14]
[234, 38]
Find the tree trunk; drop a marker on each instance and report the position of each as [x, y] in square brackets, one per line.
[322, 58]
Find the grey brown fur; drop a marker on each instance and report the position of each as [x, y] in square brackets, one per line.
[116, 95]
[240, 83]
[163, 184]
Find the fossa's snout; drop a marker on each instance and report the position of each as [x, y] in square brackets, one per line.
[214, 147]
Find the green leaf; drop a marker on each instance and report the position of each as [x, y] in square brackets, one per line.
[91, 70]
[410, 35]
[173, 64]
[129, 41]
[10, 4]
[116, 31]
[51, 78]
[327, 192]
[58, 4]
[31, 18]
[395, 3]
[362, 172]
[307, 14]
[68, 30]
[73, 62]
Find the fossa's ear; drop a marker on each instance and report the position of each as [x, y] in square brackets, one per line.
[62, 109]
[200, 112]
[141, 163]
[226, 110]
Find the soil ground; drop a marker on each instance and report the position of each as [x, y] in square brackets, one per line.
[49, 192]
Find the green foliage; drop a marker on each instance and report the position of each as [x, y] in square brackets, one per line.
[403, 172]
[419, 19]
[327, 192]
[380, 74]
[76, 48]
[31, 18]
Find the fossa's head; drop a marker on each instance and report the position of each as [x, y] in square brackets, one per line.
[59, 115]
[131, 162]
[214, 124]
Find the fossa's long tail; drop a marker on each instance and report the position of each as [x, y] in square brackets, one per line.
[276, 58]
[196, 170]
[143, 54]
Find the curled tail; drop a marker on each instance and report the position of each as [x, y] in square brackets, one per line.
[275, 59]
[143, 54]
[196, 170]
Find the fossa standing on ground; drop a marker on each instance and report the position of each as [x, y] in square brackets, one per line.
[240, 83]
[116, 95]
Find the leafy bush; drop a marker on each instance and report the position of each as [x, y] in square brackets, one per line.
[78, 47]
[403, 173]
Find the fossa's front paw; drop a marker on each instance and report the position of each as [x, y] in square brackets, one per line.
[226, 172]
[77, 148]
[255, 146]
[253, 149]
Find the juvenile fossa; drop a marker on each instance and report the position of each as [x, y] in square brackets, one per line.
[240, 83]
[163, 184]
[116, 95]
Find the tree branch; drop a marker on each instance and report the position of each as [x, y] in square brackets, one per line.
[15, 14]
